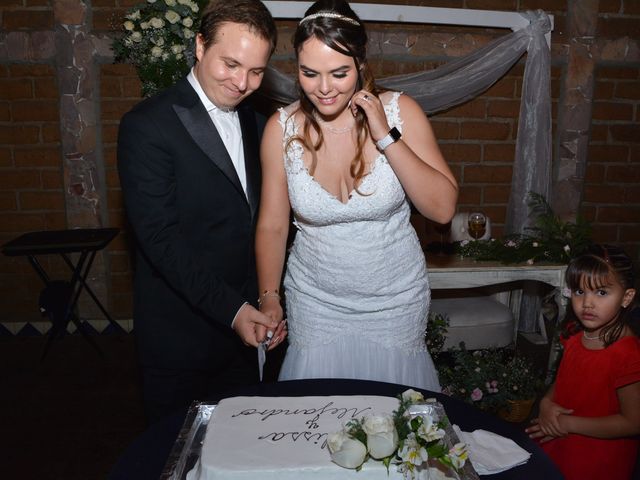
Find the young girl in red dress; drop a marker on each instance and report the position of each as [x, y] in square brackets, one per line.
[589, 419]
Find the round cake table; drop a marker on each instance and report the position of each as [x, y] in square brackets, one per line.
[145, 458]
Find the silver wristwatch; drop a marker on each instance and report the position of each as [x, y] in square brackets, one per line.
[392, 137]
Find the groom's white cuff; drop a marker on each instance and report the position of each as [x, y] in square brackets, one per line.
[236, 315]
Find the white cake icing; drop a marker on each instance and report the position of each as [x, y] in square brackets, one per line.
[282, 438]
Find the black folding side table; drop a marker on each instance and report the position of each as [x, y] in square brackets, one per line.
[58, 299]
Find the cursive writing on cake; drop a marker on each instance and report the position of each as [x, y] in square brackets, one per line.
[329, 409]
[312, 431]
[314, 437]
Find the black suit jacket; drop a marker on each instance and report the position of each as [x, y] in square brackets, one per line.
[194, 228]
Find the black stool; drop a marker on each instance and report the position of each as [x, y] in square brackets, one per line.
[58, 299]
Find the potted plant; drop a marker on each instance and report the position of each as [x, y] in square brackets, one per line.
[522, 384]
[494, 380]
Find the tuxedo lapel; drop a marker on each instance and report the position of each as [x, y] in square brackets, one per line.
[196, 120]
[250, 142]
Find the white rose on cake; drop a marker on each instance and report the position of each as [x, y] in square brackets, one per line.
[382, 437]
[346, 451]
[411, 396]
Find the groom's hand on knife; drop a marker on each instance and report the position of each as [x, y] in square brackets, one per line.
[271, 307]
[251, 325]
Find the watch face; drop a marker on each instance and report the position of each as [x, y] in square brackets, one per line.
[395, 134]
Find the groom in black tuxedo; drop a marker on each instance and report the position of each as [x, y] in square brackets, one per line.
[190, 175]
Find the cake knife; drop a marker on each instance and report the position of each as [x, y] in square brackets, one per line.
[262, 352]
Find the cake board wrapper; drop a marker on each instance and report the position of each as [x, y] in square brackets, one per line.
[188, 445]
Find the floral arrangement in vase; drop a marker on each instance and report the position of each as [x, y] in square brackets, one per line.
[489, 378]
[158, 39]
[411, 442]
[549, 240]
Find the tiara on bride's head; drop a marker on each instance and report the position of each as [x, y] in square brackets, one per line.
[337, 16]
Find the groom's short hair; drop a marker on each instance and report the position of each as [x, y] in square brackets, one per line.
[252, 13]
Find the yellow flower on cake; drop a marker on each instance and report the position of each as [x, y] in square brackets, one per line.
[430, 431]
[412, 452]
[458, 454]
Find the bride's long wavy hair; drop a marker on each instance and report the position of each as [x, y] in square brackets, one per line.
[349, 39]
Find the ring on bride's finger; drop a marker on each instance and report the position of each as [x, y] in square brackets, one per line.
[366, 97]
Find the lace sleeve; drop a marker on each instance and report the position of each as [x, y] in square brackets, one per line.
[293, 151]
[392, 110]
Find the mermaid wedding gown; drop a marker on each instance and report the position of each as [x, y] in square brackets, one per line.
[356, 286]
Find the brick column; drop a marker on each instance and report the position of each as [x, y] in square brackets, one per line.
[574, 113]
[82, 162]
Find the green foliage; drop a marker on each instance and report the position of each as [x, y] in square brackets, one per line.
[437, 326]
[399, 419]
[520, 380]
[488, 378]
[355, 430]
[549, 240]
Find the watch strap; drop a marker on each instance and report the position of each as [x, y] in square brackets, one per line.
[392, 137]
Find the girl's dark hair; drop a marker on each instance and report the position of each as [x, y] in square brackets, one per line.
[350, 39]
[597, 267]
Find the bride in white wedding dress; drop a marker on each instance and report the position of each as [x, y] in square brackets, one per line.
[345, 158]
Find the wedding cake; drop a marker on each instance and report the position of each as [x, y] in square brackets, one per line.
[282, 438]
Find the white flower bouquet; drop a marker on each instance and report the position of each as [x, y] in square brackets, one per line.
[410, 441]
[159, 38]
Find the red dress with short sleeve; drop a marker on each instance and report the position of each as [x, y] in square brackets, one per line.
[586, 382]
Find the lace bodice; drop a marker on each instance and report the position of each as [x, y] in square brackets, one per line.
[310, 201]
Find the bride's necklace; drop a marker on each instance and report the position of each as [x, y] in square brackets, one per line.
[596, 337]
[334, 130]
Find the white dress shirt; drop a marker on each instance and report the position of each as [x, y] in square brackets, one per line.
[228, 125]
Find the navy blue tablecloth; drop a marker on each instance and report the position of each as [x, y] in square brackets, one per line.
[146, 456]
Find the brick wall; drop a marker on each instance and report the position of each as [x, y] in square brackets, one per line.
[477, 138]
[612, 184]
[612, 187]
[31, 194]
